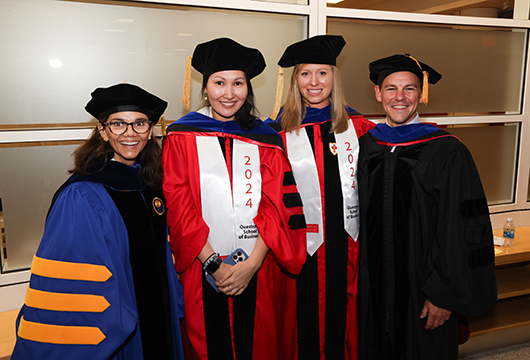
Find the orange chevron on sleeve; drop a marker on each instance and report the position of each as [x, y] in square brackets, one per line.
[69, 270]
[57, 334]
[65, 302]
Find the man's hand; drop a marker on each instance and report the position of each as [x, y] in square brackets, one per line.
[437, 316]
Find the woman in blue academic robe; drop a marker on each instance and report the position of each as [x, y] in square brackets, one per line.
[103, 285]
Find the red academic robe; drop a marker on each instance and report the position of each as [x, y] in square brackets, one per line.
[258, 324]
[327, 285]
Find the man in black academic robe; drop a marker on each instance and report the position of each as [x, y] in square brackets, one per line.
[426, 242]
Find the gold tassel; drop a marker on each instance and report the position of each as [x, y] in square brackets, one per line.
[279, 95]
[425, 92]
[186, 91]
[163, 125]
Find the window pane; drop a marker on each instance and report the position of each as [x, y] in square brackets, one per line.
[100, 44]
[482, 68]
[494, 149]
[60, 51]
[483, 8]
[28, 179]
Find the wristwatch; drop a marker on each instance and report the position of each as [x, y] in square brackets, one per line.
[212, 264]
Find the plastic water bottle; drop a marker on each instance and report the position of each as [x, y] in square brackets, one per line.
[508, 232]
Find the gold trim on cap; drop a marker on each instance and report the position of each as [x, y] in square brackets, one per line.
[186, 91]
[425, 91]
[279, 95]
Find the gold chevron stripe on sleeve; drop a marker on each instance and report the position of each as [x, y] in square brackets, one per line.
[65, 302]
[57, 334]
[69, 270]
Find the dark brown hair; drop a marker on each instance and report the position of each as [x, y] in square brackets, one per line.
[248, 112]
[98, 151]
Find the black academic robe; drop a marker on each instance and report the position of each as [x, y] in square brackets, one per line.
[425, 233]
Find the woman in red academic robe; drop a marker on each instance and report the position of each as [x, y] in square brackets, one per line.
[229, 186]
[320, 133]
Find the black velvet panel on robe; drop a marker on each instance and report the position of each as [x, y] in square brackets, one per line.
[336, 267]
[425, 233]
[147, 255]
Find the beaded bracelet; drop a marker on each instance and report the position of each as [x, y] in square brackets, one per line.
[210, 260]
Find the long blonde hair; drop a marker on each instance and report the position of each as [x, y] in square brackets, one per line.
[294, 109]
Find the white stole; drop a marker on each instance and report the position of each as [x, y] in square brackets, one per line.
[229, 210]
[306, 175]
[348, 154]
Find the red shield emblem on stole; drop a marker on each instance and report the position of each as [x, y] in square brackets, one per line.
[333, 148]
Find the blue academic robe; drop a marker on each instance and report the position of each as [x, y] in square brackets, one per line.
[81, 301]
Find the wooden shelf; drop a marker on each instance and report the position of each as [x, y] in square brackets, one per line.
[507, 314]
[513, 281]
[518, 253]
[512, 269]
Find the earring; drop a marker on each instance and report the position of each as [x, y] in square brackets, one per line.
[205, 96]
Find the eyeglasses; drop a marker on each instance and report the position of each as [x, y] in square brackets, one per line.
[120, 127]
